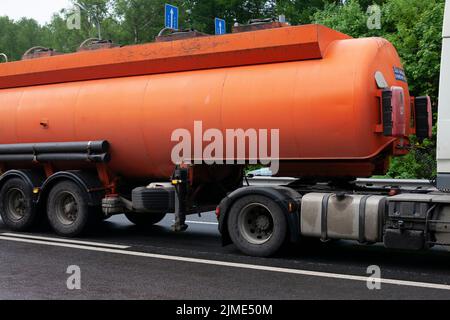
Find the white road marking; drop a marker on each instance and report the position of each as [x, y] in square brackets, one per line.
[87, 243]
[203, 222]
[235, 265]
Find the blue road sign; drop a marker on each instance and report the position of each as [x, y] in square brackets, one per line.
[221, 27]
[172, 17]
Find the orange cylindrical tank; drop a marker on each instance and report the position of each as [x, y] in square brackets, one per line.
[327, 110]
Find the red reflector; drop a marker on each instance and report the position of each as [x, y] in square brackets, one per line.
[218, 212]
[398, 112]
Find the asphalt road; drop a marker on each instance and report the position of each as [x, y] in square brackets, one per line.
[121, 261]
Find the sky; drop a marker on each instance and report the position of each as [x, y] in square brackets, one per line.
[40, 10]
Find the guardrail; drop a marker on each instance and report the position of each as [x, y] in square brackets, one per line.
[404, 184]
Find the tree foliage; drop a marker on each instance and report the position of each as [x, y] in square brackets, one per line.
[415, 29]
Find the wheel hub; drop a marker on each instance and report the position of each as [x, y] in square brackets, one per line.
[262, 223]
[67, 209]
[16, 204]
[256, 224]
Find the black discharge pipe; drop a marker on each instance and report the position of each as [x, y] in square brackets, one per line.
[90, 147]
[94, 151]
[56, 157]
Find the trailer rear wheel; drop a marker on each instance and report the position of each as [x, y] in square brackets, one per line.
[257, 226]
[145, 219]
[68, 211]
[17, 208]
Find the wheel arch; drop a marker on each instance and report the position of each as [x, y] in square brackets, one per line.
[85, 180]
[282, 196]
[34, 179]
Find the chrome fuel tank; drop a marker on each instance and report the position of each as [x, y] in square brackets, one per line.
[347, 217]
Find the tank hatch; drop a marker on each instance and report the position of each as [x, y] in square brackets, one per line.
[96, 44]
[39, 52]
[179, 35]
[259, 24]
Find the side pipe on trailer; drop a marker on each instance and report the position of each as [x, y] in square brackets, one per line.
[93, 151]
[95, 147]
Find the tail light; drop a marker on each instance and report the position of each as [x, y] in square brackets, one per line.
[218, 212]
[394, 115]
[424, 117]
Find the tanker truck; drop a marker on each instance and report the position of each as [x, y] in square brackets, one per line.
[88, 135]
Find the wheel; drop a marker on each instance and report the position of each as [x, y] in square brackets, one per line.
[17, 208]
[145, 219]
[68, 211]
[257, 226]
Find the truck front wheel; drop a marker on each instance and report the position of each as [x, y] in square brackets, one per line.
[145, 220]
[257, 226]
[17, 208]
[68, 211]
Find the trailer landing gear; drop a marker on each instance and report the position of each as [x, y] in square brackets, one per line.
[180, 181]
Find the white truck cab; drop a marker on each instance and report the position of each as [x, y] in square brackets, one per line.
[443, 148]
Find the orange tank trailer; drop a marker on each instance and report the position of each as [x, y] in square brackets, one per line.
[314, 84]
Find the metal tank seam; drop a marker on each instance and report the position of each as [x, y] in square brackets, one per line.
[75, 109]
[16, 114]
[142, 112]
[226, 75]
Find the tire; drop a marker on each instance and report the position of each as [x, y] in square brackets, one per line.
[145, 219]
[17, 208]
[68, 211]
[257, 226]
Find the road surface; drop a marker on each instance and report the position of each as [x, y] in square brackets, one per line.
[121, 261]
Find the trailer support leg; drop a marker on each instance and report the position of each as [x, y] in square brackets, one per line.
[180, 182]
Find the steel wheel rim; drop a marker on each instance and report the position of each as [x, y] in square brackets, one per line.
[16, 204]
[66, 208]
[256, 224]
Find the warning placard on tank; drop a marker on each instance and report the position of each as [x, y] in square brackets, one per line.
[400, 74]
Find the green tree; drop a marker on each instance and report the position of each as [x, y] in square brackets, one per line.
[139, 19]
[19, 36]
[300, 11]
[349, 18]
[8, 39]
[95, 12]
[414, 27]
[96, 16]
[142, 20]
[204, 12]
